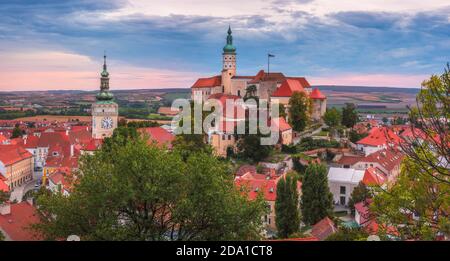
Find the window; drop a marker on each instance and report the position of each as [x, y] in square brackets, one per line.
[342, 189]
[223, 137]
[342, 200]
[239, 93]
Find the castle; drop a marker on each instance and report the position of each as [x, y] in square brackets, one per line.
[272, 86]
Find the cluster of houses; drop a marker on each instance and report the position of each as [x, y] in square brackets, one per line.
[50, 151]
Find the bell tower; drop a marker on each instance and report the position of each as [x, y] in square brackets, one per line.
[228, 63]
[105, 111]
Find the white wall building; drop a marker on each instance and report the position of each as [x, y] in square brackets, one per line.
[342, 182]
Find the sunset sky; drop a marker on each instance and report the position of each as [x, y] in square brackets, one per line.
[54, 44]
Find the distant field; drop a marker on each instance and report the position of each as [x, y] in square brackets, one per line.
[383, 100]
[56, 118]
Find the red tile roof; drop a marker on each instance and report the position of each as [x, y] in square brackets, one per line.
[374, 176]
[413, 133]
[61, 177]
[363, 210]
[316, 94]
[323, 229]
[255, 183]
[380, 136]
[271, 76]
[31, 141]
[93, 145]
[349, 160]
[159, 135]
[282, 124]
[10, 154]
[80, 136]
[16, 224]
[387, 158]
[288, 87]
[208, 82]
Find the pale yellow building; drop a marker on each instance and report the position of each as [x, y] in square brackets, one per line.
[16, 165]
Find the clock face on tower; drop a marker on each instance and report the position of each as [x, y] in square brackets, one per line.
[107, 123]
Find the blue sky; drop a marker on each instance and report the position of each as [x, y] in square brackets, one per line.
[52, 44]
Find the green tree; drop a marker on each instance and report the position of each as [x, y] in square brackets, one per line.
[332, 117]
[385, 120]
[299, 111]
[354, 136]
[4, 196]
[249, 147]
[423, 187]
[316, 201]
[287, 206]
[17, 132]
[186, 144]
[138, 191]
[282, 110]
[359, 193]
[418, 194]
[349, 115]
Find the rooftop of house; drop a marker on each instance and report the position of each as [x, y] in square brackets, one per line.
[288, 87]
[281, 124]
[387, 158]
[323, 229]
[374, 177]
[10, 154]
[345, 175]
[317, 95]
[254, 183]
[379, 136]
[16, 224]
[208, 82]
[159, 135]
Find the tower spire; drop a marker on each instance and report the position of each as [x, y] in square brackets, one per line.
[229, 48]
[104, 94]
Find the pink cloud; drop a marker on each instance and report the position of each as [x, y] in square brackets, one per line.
[58, 71]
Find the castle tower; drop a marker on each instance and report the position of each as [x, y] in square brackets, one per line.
[104, 111]
[229, 63]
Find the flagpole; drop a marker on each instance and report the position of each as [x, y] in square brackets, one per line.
[268, 65]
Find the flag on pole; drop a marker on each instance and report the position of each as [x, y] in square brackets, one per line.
[271, 55]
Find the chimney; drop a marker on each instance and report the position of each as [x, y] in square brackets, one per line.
[71, 150]
[5, 208]
[67, 132]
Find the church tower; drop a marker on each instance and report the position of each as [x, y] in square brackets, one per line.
[229, 63]
[104, 111]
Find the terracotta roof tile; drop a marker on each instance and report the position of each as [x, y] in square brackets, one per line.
[208, 82]
[324, 228]
[16, 224]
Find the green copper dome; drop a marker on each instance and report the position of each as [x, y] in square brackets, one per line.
[229, 47]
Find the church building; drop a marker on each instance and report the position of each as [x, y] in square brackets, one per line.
[105, 111]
